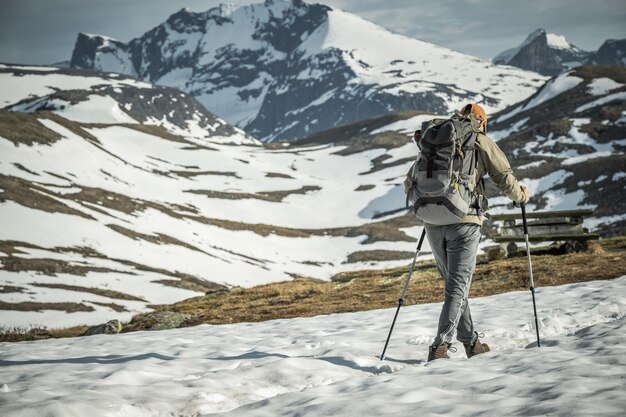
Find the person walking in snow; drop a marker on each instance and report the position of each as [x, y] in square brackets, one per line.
[454, 243]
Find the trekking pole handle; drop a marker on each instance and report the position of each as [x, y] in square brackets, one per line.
[524, 218]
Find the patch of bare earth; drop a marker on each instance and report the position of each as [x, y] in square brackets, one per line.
[273, 196]
[12, 261]
[34, 306]
[98, 291]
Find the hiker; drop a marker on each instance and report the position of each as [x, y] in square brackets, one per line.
[453, 221]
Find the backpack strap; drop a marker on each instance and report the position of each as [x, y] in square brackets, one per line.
[430, 166]
[480, 183]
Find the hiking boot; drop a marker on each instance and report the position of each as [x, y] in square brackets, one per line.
[440, 351]
[477, 347]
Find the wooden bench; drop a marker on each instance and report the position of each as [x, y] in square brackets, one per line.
[544, 226]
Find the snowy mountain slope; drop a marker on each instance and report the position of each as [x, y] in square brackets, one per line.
[81, 96]
[543, 52]
[567, 144]
[328, 365]
[99, 213]
[287, 69]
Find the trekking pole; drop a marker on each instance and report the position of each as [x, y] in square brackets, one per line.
[406, 285]
[530, 270]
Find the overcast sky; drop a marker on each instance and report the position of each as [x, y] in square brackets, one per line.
[44, 31]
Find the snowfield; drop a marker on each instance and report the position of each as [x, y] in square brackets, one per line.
[198, 205]
[119, 206]
[328, 365]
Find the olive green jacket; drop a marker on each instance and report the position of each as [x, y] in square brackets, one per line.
[492, 162]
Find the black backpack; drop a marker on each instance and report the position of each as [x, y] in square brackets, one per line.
[441, 186]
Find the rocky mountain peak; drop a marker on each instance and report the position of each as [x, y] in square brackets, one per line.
[282, 70]
[612, 52]
[186, 21]
[90, 50]
[544, 52]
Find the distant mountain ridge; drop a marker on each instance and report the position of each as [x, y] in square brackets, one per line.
[284, 70]
[612, 52]
[550, 54]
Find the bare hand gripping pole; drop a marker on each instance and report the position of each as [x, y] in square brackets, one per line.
[406, 285]
[530, 270]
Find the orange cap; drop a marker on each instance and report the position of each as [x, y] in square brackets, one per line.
[476, 109]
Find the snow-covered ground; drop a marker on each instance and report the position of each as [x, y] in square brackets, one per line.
[328, 365]
[200, 207]
[15, 88]
[135, 208]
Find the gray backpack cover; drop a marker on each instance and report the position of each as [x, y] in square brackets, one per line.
[442, 185]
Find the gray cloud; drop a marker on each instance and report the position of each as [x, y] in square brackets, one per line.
[44, 31]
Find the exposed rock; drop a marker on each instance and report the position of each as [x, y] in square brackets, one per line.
[90, 48]
[110, 327]
[612, 52]
[167, 320]
[495, 253]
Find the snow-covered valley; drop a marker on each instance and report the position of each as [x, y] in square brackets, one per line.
[328, 365]
[117, 195]
[155, 214]
[245, 165]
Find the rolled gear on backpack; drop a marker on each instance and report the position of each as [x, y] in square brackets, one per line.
[441, 186]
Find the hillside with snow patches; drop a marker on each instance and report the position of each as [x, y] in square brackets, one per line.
[283, 70]
[116, 195]
[110, 203]
[567, 143]
[328, 365]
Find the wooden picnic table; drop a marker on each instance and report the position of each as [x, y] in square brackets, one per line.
[544, 226]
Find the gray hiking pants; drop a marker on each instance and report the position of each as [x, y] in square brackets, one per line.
[454, 247]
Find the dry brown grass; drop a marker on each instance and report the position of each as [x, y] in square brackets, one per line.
[52, 267]
[31, 195]
[20, 334]
[377, 256]
[278, 175]
[24, 128]
[34, 306]
[98, 291]
[5, 289]
[379, 164]
[49, 266]
[191, 174]
[373, 289]
[273, 196]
